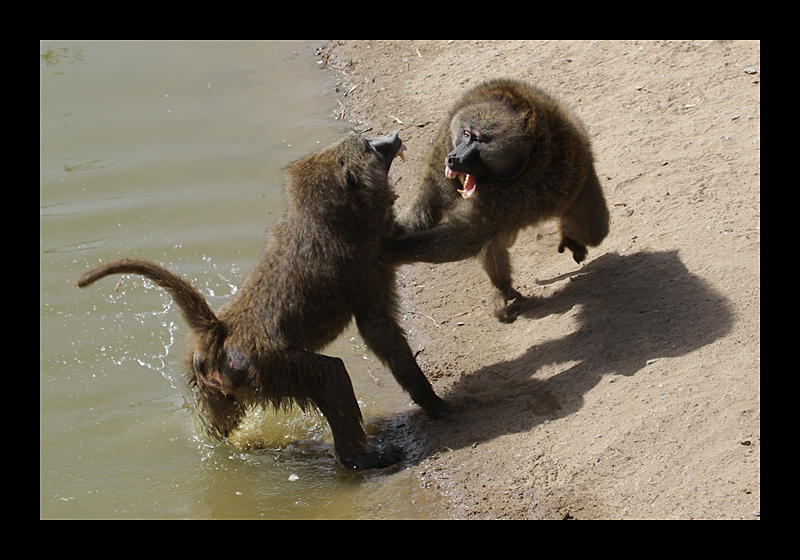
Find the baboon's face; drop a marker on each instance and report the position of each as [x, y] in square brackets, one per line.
[490, 141]
[371, 171]
[362, 191]
[347, 178]
[388, 147]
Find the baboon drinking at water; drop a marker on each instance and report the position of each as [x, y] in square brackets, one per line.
[507, 157]
[322, 266]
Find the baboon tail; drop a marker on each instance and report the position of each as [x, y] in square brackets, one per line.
[193, 305]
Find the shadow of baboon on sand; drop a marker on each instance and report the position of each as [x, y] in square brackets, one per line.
[630, 309]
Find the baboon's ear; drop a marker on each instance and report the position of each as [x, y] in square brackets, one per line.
[352, 180]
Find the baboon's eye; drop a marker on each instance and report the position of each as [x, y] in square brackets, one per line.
[474, 135]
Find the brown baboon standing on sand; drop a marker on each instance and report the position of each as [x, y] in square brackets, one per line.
[507, 157]
[322, 266]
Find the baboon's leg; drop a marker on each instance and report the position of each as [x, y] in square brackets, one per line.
[497, 263]
[324, 380]
[586, 221]
[387, 340]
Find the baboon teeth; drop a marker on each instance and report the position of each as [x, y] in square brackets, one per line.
[468, 181]
[400, 152]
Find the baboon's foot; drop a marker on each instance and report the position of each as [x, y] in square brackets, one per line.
[436, 407]
[378, 459]
[501, 305]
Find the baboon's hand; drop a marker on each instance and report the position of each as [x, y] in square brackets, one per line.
[578, 250]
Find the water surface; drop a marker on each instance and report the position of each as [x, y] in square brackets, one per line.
[174, 151]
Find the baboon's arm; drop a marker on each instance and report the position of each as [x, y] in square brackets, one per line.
[450, 241]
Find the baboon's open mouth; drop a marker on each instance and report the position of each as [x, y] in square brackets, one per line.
[402, 156]
[389, 147]
[467, 181]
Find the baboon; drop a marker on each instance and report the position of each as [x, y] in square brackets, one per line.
[512, 157]
[322, 265]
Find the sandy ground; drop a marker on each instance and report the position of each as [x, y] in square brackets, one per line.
[629, 386]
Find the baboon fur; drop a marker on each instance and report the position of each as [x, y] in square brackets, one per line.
[321, 267]
[521, 158]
